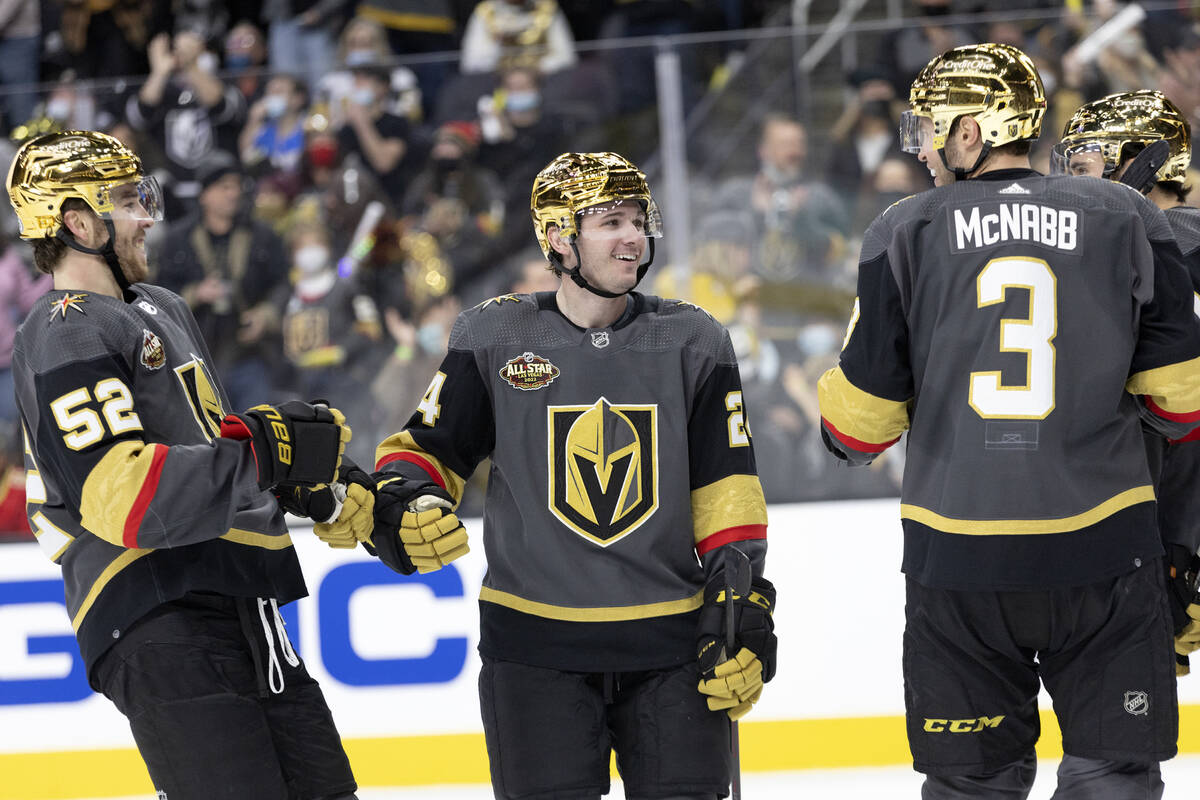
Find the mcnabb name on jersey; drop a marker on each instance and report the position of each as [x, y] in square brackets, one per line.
[988, 224]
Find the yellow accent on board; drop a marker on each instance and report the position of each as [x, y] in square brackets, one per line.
[767, 746]
[728, 503]
[986, 527]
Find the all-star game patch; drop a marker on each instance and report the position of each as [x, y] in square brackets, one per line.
[153, 354]
[528, 372]
[65, 302]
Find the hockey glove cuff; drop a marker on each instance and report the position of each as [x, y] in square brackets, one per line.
[1184, 600]
[733, 683]
[415, 525]
[348, 514]
[293, 442]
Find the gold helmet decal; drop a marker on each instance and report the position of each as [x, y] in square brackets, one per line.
[996, 84]
[574, 182]
[603, 468]
[1099, 131]
[87, 165]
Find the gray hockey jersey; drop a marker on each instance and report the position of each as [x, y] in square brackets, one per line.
[618, 456]
[1017, 326]
[130, 487]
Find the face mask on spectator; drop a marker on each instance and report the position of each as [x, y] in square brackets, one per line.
[443, 166]
[522, 101]
[58, 108]
[360, 57]
[311, 258]
[275, 105]
[364, 96]
[237, 62]
[430, 337]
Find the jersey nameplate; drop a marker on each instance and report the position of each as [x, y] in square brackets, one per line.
[977, 227]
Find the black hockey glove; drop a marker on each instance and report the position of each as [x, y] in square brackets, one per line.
[734, 681]
[342, 511]
[1182, 572]
[293, 442]
[415, 525]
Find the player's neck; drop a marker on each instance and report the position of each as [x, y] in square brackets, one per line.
[998, 161]
[1163, 199]
[80, 272]
[588, 310]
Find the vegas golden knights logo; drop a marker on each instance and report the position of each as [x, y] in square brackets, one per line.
[203, 399]
[603, 462]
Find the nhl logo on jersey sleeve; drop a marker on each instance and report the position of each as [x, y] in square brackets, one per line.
[153, 354]
[528, 372]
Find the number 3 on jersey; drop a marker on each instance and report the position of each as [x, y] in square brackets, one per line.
[429, 406]
[1033, 336]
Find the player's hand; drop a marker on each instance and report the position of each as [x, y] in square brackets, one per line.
[293, 442]
[354, 520]
[415, 522]
[1182, 568]
[734, 683]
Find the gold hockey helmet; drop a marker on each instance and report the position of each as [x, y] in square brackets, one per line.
[996, 84]
[1099, 130]
[49, 169]
[575, 183]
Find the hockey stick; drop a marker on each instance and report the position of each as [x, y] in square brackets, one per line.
[737, 584]
[1141, 171]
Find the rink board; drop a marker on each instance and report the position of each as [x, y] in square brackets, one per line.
[396, 658]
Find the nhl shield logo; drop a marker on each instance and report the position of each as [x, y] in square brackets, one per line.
[528, 372]
[603, 463]
[1137, 703]
[600, 339]
[153, 354]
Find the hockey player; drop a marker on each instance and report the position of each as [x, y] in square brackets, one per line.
[1017, 326]
[1102, 139]
[156, 503]
[622, 474]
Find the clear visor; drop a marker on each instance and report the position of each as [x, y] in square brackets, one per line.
[613, 219]
[1080, 158]
[140, 200]
[916, 132]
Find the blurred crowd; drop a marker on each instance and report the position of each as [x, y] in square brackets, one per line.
[343, 177]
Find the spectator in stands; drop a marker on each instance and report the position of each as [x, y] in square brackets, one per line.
[14, 523]
[419, 26]
[20, 58]
[301, 33]
[907, 49]
[229, 269]
[376, 138]
[364, 43]
[18, 291]
[502, 34]
[108, 39]
[864, 135]
[460, 203]
[533, 274]
[332, 335]
[245, 58]
[1178, 80]
[273, 139]
[187, 111]
[801, 223]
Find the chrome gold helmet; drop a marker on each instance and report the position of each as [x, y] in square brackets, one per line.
[1093, 139]
[996, 84]
[577, 183]
[54, 167]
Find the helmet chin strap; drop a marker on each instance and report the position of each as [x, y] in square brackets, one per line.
[107, 251]
[576, 276]
[960, 173]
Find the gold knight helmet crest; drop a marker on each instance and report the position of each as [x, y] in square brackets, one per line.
[153, 354]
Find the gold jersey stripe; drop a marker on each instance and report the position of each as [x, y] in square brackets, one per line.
[119, 563]
[728, 503]
[980, 527]
[254, 539]
[112, 487]
[615, 614]
[1174, 388]
[403, 442]
[860, 414]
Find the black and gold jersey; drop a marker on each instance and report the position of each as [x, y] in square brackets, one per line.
[130, 487]
[620, 457]
[1018, 326]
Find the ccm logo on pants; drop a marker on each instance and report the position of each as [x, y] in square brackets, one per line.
[962, 725]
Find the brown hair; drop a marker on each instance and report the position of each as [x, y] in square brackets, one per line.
[49, 251]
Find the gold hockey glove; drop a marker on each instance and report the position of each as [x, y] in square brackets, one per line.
[415, 525]
[735, 684]
[293, 442]
[1184, 601]
[343, 512]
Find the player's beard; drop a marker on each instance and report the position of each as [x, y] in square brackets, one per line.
[132, 257]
